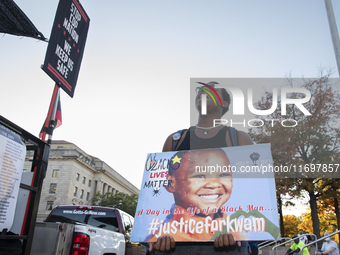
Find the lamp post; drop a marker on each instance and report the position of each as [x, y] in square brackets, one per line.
[334, 32]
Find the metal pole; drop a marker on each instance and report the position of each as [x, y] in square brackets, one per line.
[52, 103]
[334, 32]
[52, 120]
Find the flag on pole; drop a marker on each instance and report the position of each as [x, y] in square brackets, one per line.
[54, 120]
[58, 120]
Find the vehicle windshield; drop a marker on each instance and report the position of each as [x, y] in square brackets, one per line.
[100, 219]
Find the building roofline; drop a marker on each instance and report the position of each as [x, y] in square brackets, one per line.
[122, 178]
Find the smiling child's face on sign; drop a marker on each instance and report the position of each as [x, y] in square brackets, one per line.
[194, 185]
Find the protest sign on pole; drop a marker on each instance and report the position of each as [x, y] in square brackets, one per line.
[66, 45]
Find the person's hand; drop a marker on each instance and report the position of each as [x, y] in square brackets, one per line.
[163, 243]
[225, 240]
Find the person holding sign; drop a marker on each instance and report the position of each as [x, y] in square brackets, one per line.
[206, 134]
[202, 136]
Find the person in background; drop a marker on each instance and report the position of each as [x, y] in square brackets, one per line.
[254, 247]
[302, 238]
[295, 249]
[329, 247]
[309, 240]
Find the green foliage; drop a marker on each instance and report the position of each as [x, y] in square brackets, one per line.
[122, 201]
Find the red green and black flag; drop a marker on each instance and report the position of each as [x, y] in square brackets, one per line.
[54, 118]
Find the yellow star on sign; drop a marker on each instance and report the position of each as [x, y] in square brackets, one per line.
[176, 160]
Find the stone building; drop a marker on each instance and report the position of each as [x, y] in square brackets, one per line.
[73, 178]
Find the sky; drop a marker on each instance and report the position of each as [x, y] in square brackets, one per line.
[133, 87]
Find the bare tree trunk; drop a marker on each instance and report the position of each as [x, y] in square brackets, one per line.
[279, 203]
[314, 214]
[336, 208]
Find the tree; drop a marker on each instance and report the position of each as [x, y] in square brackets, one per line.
[306, 222]
[327, 222]
[291, 223]
[284, 186]
[329, 200]
[314, 140]
[122, 201]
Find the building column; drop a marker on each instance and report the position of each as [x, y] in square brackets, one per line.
[99, 187]
[104, 188]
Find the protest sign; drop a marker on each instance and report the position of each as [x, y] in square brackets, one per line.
[195, 195]
[12, 158]
[66, 45]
